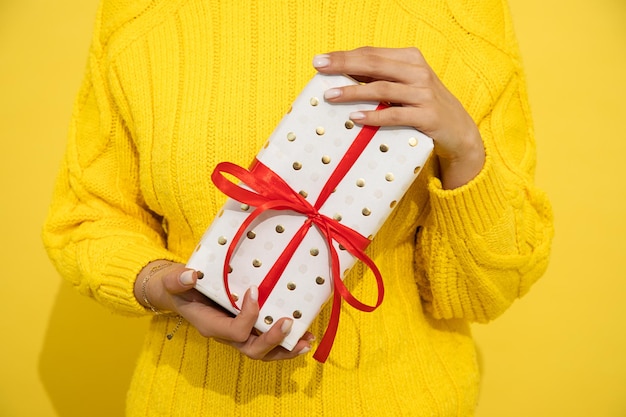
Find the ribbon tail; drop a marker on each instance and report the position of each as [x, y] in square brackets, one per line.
[355, 244]
[340, 286]
[323, 349]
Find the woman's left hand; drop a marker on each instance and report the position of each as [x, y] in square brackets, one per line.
[404, 78]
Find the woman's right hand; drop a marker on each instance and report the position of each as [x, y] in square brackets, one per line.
[171, 288]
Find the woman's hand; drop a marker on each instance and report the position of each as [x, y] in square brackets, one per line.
[402, 77]
[172, 289]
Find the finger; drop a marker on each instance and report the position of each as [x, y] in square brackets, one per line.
[373, 63]
[257, 347]
[409, 55]
[381, 91]
[419, 118]
[365, 68]
[212, 322]
[172, 279]
[279, 353]
[180, 279]
[239, 331]
[303, 346]
[249, 310]
[267, 346]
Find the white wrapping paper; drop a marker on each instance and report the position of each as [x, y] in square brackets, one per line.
[304, 150]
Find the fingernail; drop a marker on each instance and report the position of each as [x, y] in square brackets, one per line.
[254, 293]
[357, 115]
[332, 93]
[186, 278]
[321, 61]
[304, 350]
[200, 274]
[286, 326]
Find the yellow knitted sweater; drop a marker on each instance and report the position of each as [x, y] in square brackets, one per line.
[175, 86]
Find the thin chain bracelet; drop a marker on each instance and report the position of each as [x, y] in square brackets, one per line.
[173, 332]
[147, 302]
[144, 284]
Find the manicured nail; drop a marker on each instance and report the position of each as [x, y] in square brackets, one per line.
[286, 326]
[357, 115]
[186, 278]
[332, 93]
[304, 350]
[321, 61]
[200, 274]
[254, 293]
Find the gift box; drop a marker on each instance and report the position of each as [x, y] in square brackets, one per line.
[303, 213]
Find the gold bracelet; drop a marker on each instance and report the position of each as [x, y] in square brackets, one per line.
[173, 332]
[144, 295]
[144, 284]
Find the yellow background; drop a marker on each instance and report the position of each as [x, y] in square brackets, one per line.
[561, 351]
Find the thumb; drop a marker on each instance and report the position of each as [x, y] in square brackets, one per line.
[179, 280]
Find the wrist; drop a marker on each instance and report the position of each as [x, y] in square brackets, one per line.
[461, 169]
[145, 289]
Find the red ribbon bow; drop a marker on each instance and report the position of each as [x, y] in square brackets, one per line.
[271, 192]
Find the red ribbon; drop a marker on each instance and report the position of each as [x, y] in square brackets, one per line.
[271, 192]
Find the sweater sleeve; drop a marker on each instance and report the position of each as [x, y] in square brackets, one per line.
[99, 232]
[484, 244]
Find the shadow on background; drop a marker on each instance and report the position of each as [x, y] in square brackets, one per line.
[88, 355]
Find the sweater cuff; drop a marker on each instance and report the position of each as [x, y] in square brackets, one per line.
[118, 283]
[472, 208]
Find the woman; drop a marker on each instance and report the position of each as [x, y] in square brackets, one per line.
[174, 87]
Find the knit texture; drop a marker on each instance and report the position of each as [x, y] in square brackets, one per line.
[174, 87]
